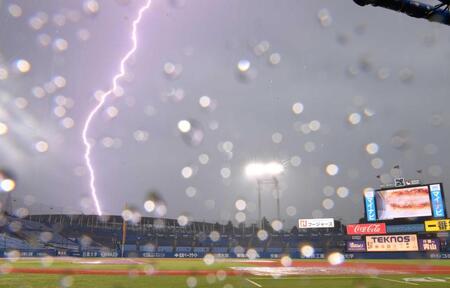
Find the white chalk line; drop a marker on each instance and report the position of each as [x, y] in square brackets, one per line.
[309, 278]
[328, 278]
[396, 281]
[253, 282]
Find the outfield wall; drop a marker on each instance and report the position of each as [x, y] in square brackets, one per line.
[261, 255]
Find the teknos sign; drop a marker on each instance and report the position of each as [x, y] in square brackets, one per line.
[366, 229]
[390, 243]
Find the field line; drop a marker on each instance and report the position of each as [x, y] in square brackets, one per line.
[310, 278]
[396, 281]
[253, 282]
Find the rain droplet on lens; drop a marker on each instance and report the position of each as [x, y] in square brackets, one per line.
[401, 140]
[406, 75]
[191, 132]
[275, 58]
[372, 148]
[243, 65]
[324, 17]
[354, 118]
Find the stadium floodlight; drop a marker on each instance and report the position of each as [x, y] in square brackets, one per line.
[254, 170]
[264, 171]
[260, 170]
[274, 168]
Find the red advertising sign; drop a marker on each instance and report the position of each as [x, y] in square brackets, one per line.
[366, 229]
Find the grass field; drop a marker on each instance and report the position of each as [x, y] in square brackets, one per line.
[140, 272]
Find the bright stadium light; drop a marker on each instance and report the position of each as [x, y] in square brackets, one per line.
[265, 172]
[274, 168]
[254, 170]
[257, 170]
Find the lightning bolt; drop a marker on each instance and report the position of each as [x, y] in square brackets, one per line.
[101, 102]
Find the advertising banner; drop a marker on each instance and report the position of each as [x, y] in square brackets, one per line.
[316, 223]
[369, 200]
[437, 201]
[405, 228]
[156, 255]
[188, 255]
[356, 246]
[429, 245]
[366, 229]
[437, 225]
[392, 243]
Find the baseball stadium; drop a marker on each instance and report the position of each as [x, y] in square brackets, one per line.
[224, 144]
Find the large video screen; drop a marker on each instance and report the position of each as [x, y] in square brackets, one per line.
[405, 202]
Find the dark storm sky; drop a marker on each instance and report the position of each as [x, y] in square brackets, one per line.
[336, 59]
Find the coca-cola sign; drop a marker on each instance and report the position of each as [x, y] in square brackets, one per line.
[366, 229]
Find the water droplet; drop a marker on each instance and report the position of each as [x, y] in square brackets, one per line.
[204, 101]
[225, 172]
[328, 204]
[275, 58]
[277, 137]
[354, 118]
[372, 148]
[332, 169]
[307, 250]
[277, 225]
[291, 211]
[297, 108]
[296, 161]
[336, 258]
[240, 217]
[243, 65]
[324, 17]
[23, 66]
[41, 146]
[187, 172]
[328, 191]
[262, 235]
[191, 192]
[91, 7]
[15, 10]
[240, 205]
[342, 192]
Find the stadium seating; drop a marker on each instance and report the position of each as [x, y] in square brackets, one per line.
[8, 242]
[88, 235]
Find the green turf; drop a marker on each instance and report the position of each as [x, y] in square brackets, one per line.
[99, 281]
[349, 281]
[47, 281]
[158, 264]
[434, 262]
[184, 264]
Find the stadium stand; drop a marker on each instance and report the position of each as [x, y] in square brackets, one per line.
[88, 235]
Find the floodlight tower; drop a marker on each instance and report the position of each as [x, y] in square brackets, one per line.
[263, 173]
